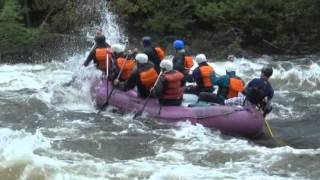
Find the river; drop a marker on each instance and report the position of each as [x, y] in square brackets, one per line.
[51, 130]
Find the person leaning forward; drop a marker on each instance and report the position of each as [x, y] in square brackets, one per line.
[123, 64]
[143, 76]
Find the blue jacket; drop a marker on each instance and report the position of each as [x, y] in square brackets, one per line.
[258, 82]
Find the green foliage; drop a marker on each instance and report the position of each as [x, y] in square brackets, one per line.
[10, 11]
[60, 15]
[158, 16]
[12, 31]
[276, 21]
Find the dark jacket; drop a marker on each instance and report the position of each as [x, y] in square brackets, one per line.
[152, 56]
[257, 85]
[100, 43]
[196, 77]
[178, 61]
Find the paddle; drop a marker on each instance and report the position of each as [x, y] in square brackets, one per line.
[107, 71]
[118, 76]
[74, 76]
[277, 140]
[147, 99]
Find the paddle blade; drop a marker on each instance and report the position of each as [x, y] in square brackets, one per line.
[277, 140]
[137, 114]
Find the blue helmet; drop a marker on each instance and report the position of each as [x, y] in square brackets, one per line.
[178, 44]
[146, 40]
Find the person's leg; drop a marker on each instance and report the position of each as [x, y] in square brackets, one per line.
[209, 97]
[170, 102]
[191, 90]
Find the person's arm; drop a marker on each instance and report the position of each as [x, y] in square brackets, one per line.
[89, 58]
[214, 78]
[158, 89]
[183, 82]
[178, 62]
[248, 86]
[270, 92]
[131, 83]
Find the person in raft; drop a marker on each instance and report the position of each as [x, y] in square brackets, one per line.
[182, 61]
[202, 76]
[229, 86]
[258, 93]
[155, 54]
[143, 76]
[169, 88]
[101, 53]
[122, 63]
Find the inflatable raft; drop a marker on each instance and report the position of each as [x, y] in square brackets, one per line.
[231, 120]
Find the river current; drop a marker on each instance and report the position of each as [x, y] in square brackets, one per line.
[50, 129]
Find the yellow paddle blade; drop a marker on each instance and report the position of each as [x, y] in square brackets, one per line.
[277, 140]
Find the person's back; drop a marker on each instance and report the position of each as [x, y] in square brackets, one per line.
[230, 85]
[169, 88]
[123, 64]
[182, 61]
[202, 76]
[257, 89]
[150, 51]
[100, 54]
[144, 76]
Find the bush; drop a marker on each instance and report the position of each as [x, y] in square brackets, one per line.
[277, 21]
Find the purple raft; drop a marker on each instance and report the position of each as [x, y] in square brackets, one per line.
[231, 120]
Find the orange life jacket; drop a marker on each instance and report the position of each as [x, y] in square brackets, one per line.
[101, 56]
[160, 52]
[236, 85]
[173, 89]
[127, 67]
[206, 72]
[148, 78]
[188, 61]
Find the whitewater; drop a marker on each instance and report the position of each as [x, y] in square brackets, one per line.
[50, 129]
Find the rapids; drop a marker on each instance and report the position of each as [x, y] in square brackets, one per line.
[50, 130]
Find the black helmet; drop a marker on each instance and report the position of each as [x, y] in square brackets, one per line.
[267, 71]
[146, 40]
[100, 39]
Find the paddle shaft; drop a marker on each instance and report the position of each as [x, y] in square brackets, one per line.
[74, 74]
[118, 76]
[147, 99]
[277, 140]
[268, 127]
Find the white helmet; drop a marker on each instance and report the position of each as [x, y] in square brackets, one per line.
[200, 58]
[117, 48]
[166, 64]
[230, 68]
[142, 58]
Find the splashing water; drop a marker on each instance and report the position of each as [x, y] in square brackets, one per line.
[52, 131]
